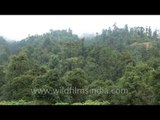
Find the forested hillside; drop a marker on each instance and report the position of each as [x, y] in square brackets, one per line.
[121, 65]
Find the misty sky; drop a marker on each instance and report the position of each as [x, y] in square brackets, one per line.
[17, 27]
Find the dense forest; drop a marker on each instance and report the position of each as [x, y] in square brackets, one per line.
[122, 63]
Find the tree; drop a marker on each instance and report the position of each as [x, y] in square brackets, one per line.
[156, 85]
[54, 61]
[20, 88]
[2, 79]
[43, 67]
[47, 87]
[150, 32]
[17, 66]
[136, 81]
[14, 71]
[77, 81]
[126, 28]
[100, 90]
[2, 76]
[155, 35]
[46, 84]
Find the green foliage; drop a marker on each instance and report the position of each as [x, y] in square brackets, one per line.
[62, 104]
[77, 81]
[18, 88]
[2, 76]
[23, 102]
[90, 102]
[45, 84]
[20, 102]
[54, 61]
[101, 90]
[33, 69]
[18, 65]
[156, 85]
[137, 82]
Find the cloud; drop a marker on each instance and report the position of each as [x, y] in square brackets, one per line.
[18, 27]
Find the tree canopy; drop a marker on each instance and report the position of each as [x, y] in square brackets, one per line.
[49, 67]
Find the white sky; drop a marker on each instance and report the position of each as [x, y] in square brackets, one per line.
[17, 27]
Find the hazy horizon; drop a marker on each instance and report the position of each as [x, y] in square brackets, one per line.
[18, 27]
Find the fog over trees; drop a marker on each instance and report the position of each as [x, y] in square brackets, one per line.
[116, 66]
